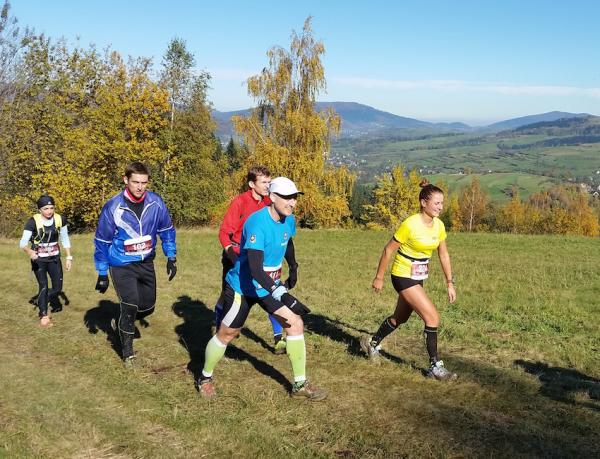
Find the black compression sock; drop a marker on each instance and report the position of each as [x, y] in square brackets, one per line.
[385, 329]
[431, 343]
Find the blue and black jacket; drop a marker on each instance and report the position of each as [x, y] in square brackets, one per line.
[119, 224]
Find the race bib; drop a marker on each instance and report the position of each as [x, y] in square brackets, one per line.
[49, 249]
[275, 275]
[138, 246]
[419, 270]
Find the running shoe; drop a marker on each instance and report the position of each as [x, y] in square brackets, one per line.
[128, 362]
[280, 347]
[206, 387]
[438, 371]
[368, 348]
[309, 391]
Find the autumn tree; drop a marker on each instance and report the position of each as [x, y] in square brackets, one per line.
[455, 218]
[287, 134]
[81, 117]
[472, 203]
[394, 198]
[512, 216]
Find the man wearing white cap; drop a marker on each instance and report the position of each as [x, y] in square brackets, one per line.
[256, 278]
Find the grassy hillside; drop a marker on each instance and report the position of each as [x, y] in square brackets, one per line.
[523, 337]
[550, 151]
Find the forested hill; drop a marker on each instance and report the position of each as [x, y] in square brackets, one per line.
[585, 125]
[516, 123]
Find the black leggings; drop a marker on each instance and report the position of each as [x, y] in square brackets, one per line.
[43, 269]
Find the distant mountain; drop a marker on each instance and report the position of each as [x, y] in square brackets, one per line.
[360, 120]
[224, 125]
[357, 120]
[515, 123]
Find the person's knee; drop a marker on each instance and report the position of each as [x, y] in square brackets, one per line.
[227, 334]
[296, 325]
[432, 318]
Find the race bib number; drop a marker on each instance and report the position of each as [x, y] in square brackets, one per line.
[138, 246]
[275, 275]
[49, 249]
[419, 270]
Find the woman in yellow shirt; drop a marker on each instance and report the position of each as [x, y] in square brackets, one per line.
[418, 236]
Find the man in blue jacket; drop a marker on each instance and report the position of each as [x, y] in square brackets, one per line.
[125, 245]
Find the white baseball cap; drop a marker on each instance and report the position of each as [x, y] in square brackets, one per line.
[283, 186]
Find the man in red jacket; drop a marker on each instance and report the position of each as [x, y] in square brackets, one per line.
[230, 233]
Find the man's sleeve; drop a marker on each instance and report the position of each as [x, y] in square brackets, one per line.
[230, 223]
[290, 254]
[254, 236]
[103, 239]
[166, 231]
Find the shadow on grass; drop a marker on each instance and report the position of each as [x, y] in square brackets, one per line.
[98, 319]
[56, 302]
[335, 330]
[511, 421]
[562, 384]
[195, 332]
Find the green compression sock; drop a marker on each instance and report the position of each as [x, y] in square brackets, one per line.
[215, 350]
[296, 351]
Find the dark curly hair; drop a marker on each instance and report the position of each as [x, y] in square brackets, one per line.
[427, 189]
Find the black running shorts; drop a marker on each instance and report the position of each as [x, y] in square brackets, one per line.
[402, 283]
[236, 306]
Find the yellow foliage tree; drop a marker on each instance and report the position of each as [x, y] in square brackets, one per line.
[395, 197]
[289, 136]
[454, 214]
[472, 202]
[81, 118]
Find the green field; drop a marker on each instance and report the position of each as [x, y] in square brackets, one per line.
[499, 186]
[504, 153]
[523, 337]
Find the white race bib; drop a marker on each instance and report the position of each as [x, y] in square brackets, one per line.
[49, 249]
[419, 270]
[138, 246]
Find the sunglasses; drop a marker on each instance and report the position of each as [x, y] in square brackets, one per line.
[288, 197]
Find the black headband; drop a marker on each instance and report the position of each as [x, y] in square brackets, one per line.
[45, 201]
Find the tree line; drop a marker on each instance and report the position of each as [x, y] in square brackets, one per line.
[71, 118]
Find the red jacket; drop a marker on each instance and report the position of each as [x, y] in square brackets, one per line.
[241, 207]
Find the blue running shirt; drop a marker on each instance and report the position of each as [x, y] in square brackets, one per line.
[262, 233]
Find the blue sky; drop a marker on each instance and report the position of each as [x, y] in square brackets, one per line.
[471, 61]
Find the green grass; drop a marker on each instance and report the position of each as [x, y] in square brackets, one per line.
[523, 337]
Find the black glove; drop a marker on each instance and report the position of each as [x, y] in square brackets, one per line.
[292, 278]
[102, 283]
[231, 254]
[171, 267]
[295, 306]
